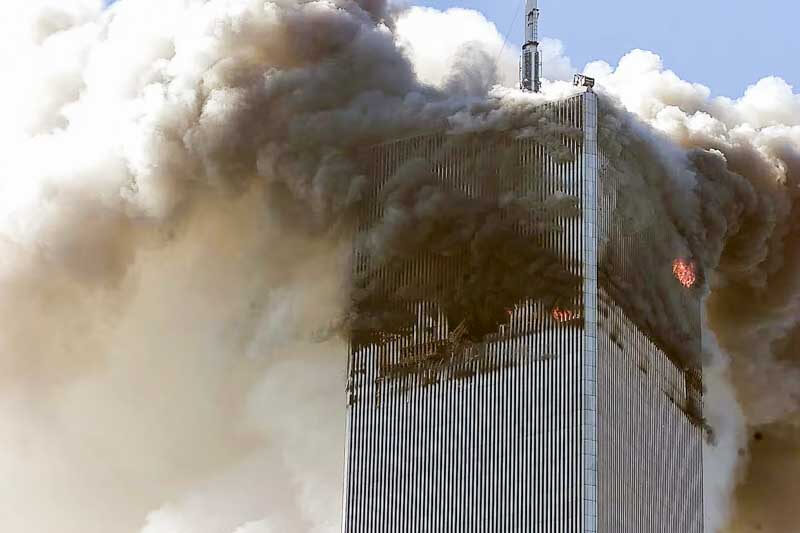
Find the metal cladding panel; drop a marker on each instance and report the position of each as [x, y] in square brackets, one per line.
[650, 462]
[494, 453]
[535, 429]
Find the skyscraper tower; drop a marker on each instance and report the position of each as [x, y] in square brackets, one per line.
[543, 379]
[525, 345]
[530, 64]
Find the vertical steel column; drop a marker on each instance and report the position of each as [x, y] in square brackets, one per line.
[589, 378]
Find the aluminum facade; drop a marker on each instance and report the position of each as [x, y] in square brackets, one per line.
[650, 453]
[649, 401]
[546, 425]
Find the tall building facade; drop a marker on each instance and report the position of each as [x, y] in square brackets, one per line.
[580, 410]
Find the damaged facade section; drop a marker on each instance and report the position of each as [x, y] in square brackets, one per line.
[514, 364]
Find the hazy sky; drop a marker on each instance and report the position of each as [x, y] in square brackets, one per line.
[726, 45]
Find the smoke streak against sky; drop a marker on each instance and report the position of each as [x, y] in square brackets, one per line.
[173, 192]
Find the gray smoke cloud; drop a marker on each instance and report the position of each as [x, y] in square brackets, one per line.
[177, 181]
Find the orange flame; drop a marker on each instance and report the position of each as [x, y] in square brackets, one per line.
[685, 272]
[563, 315]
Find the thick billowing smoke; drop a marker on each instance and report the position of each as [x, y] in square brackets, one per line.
[174, 182]
[480, 265]
[177, 180]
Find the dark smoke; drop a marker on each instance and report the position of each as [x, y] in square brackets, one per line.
[480, 263]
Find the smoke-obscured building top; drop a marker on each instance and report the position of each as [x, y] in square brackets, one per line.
[525, 350]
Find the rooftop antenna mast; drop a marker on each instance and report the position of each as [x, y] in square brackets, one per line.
[531, 63]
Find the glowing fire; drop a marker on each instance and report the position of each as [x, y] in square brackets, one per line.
[685, 271]
[563, 315]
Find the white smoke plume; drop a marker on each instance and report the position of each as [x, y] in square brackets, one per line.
[171, 183]
[434, 40]
[174, 190]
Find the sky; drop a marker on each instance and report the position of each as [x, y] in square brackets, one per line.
[725, 45]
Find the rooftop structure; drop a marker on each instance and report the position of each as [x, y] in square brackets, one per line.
[531, 63]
